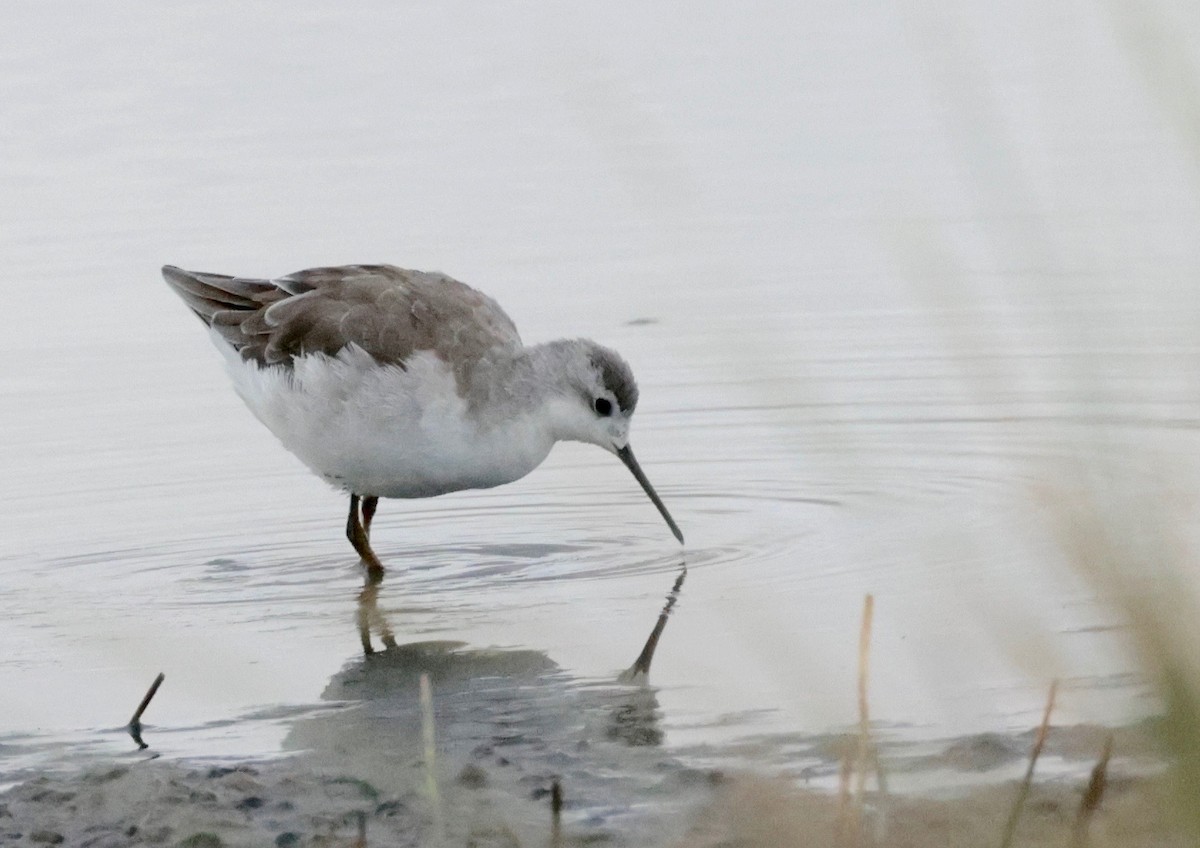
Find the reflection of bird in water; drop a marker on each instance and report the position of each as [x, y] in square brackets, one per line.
[508, 724]
[371, 618]
[405, 384]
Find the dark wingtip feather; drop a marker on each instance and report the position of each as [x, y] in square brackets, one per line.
[188, 289]
[175, 276]
[211, 294]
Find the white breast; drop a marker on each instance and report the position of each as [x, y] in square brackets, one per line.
[384, 430]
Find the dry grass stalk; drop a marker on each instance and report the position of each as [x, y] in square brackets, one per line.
[1092, 796]
[1011, 827]
[864, 709]
[863, 757]
[858, 762]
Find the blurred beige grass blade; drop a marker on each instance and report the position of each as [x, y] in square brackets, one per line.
[1117, 534]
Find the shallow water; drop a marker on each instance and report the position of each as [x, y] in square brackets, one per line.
[881, 278]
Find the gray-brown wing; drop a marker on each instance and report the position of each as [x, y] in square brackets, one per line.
[389, 312]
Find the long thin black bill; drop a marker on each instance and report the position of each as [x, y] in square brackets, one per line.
[626, 455]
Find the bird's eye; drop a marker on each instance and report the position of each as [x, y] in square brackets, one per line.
[603, 406]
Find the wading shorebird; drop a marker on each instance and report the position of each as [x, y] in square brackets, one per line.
[390, 383]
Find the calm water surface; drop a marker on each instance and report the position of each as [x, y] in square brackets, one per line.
[879, 276]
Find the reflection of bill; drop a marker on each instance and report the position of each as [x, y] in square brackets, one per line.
[641, 666]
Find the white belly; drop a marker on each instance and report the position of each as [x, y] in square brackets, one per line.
[387, 431]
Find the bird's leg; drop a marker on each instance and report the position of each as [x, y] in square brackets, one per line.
[368, 513]
[358, 538]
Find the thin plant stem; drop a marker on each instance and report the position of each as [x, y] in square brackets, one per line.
[1023, 793]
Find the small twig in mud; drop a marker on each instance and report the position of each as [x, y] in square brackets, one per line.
[1092, 795]
[556, 805]
[1011, 827]
[135, 724]
[137, 714]
[427, 729]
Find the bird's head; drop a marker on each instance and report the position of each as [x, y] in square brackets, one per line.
[596, 395]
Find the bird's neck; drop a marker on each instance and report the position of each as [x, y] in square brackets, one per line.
[529, 384]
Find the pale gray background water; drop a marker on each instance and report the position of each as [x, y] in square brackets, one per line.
[878, 270]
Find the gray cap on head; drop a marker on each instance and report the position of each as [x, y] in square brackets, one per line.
[617, 377]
